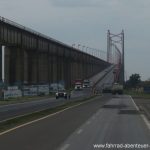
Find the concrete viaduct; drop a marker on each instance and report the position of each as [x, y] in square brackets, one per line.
[33, 58]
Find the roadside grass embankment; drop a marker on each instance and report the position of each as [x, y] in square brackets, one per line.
[142, 100]
[136, 94]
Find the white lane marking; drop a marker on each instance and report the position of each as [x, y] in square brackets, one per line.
[142, 116]
[137, 108]
[24, 114]
[88, 122]
[146, 121]
[34, 121]
[79, 131]
[66, 146]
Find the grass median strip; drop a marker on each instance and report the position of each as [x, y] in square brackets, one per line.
[24, 99]
[136, 94]
[12, 123]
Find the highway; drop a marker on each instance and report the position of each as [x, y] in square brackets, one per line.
[49, 133]
[103, 120]
[14, 110]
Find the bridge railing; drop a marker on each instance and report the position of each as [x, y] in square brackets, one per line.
[30, 30]
[2, 19]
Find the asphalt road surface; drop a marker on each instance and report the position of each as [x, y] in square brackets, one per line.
[105, 120]
[49, 133]
[13, 110]
[118, 122]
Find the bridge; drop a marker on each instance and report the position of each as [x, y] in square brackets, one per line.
[33, 58]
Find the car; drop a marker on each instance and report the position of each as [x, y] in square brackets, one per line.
[61, 93]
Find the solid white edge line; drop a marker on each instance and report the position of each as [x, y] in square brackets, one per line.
[28, 123]
[142, 116]
[137, 108]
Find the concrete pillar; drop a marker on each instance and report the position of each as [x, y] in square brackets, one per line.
[0, 63]
[3, 59]
[12, 65]
[25, 68]
[7, 65]
[54, 69]
[51, 68]
[31, 67]
[43, 68]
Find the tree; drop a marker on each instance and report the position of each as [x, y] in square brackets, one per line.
[134, 80]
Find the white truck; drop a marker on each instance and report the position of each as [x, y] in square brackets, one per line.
[86, 83]
[117, 88]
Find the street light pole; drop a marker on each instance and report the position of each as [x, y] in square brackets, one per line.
[123, 56]
[83, 48]
[86, 49]
[79, 46]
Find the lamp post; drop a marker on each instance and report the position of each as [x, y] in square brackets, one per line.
[87, 49]
[73, 45]
[83, 48]
[79, 46]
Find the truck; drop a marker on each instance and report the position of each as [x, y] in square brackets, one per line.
[86, 83]
[78, 84]
[106, 88]
[117, 88]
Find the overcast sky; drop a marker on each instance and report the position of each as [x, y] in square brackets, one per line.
[86, 22]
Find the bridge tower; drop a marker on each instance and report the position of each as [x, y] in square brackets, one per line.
[115, 54]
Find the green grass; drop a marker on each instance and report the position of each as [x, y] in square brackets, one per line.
[6, 125]
[136, 94]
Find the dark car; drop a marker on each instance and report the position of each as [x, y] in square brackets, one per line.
[61, 93]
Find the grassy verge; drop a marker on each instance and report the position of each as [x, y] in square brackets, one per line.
[6, 125]
[23, 99]
[136, 94]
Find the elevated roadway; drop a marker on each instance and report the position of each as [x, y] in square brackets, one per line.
[14, 110]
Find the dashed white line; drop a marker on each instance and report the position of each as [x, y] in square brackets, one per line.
[93, 117]
[65, 147]
[88, 122]
[79, 131]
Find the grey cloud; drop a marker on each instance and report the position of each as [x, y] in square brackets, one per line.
[81, 3]
[71, 3]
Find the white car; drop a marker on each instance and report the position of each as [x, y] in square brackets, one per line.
[61, 93]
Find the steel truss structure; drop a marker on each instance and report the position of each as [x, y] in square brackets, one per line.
[115, 54]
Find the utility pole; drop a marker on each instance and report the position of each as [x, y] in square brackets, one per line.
[123, 56]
